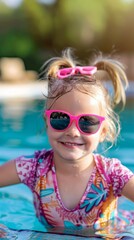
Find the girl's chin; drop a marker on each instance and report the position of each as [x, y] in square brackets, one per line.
[69, 156]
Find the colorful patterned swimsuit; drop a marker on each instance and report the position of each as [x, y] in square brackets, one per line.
[98, 204]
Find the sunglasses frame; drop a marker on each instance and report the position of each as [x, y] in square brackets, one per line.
[72, 119]
[67, 72]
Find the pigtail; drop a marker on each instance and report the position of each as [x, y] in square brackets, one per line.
[56, 87]
[115, 71]
[52, 66]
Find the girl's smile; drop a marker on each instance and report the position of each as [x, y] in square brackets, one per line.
[71, 144]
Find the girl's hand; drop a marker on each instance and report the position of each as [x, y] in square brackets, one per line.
[3, 232]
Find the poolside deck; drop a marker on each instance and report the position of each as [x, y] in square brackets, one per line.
[35, 90]
[30, 90]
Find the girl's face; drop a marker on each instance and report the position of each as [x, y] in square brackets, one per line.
[71, 144]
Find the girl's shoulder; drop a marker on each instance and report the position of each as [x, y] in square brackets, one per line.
[110, 165]
[40, 157]
[33, 166]
[113, 171]
[106, 161]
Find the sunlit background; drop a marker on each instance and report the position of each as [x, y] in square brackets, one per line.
[35, 30]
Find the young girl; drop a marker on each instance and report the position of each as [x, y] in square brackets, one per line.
[73, 186]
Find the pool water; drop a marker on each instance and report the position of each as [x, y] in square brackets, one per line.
[22, 131]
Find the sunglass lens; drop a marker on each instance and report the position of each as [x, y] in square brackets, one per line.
[59, 120]
[89, 124]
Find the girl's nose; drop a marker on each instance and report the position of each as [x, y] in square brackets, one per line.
[73, 130]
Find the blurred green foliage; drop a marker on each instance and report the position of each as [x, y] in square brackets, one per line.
[36, 31]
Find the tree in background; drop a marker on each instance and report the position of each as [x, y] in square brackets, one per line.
[35, 31]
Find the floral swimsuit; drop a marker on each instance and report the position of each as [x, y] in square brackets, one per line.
[98, 204]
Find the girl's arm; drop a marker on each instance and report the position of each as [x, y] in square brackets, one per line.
[8, 174]
[128, 190]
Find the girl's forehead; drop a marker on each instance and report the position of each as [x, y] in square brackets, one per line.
[76, 100]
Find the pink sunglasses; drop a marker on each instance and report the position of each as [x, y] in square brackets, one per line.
[86, 123]
[67, 72]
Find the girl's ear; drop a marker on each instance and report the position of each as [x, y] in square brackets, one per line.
[103, 133]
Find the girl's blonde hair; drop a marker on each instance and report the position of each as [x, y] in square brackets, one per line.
[108, 70]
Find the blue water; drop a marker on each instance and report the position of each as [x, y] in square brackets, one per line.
[22, 131]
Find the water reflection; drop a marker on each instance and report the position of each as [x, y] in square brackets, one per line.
[22, 127]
